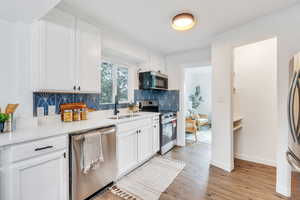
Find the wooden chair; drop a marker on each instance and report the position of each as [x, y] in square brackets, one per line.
[191, 127]
[201, 120]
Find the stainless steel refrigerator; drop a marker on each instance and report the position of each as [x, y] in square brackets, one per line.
[293, 154]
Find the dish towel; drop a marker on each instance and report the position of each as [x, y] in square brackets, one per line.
[91, 154]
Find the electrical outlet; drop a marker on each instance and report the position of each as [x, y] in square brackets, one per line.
[40, 112]
[51, 110]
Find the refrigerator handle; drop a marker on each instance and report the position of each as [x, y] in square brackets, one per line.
[290, 106]
[293, 161]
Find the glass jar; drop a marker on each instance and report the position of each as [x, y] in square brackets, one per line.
[76, 115]
[68, 116]
[83, 114]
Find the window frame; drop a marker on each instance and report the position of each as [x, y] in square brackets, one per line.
[115, 66]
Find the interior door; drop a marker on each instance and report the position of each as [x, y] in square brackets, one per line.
[44, 177]
[145, 140]
[89, 57]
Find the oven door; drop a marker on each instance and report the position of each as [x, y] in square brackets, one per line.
[160, 82]
[168, 135]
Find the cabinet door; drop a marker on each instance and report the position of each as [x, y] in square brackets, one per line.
[88, 57]
[127, 151]
[44, 177]
[58, 52]
[145, 137]
[156, 138]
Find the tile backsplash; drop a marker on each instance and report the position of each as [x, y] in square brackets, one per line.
[168, 100]
[42, 99]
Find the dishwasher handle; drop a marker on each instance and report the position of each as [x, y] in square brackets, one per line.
[102, 131]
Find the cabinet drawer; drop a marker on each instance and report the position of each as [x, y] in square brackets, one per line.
[36, 148]
[134, 125]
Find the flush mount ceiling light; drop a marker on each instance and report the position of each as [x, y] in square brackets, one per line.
[183, 21]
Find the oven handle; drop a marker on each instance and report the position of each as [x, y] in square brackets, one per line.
[169, 120]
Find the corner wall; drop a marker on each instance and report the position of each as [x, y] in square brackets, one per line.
[282, 25]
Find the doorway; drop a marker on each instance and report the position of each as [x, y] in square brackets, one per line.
[197, 102]
[255, 102]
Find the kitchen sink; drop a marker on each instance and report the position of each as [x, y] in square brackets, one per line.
[124, 116]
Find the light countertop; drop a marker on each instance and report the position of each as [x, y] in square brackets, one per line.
[60, 128]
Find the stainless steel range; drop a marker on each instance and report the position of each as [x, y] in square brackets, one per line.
[168, 125]
[168, 131]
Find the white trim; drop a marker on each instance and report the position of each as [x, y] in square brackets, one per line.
[283, 190]
[221, 165]
[256, 159]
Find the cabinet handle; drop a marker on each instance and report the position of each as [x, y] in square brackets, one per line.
[74, 87]
[79, 88]
[43, 148]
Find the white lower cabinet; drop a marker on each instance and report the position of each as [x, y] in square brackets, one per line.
[127, 151]
[35, 170]
[156, 137]
[137, 142]
[145, 137]
[43, 177]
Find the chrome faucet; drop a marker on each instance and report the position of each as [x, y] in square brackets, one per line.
[116, 111]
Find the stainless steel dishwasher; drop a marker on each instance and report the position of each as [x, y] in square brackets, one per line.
[83, 186]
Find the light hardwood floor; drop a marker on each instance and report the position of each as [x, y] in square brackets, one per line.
[199, 180]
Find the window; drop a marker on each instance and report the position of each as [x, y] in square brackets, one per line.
[106, 83]
[122, 83]
[114, 81]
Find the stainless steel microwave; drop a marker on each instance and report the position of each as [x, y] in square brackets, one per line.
[153, 81]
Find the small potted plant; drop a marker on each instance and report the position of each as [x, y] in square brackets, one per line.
[3, 118]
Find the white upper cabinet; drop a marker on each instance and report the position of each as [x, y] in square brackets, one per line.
[67, 54]
[88, 57]
[58, 48]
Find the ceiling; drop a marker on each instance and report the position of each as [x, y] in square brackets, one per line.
[148, 21]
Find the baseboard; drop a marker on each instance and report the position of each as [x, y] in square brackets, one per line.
[256, 160]
[221, 165]
[283, 190]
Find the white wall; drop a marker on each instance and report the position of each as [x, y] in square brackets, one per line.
[255, 99]
[191, 58]
[8, 85]
[175, 65]
[15, 84]
[282, 25]
[199, 76]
